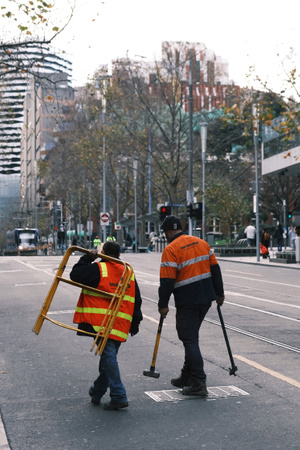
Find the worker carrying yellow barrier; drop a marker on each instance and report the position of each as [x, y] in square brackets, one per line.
[109, 308]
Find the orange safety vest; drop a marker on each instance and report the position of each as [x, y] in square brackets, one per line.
[91, 307]
[187, 259]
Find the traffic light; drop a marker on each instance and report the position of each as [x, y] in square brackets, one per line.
[189, 210]
[164, 211]
[198, 211]
[289, 214]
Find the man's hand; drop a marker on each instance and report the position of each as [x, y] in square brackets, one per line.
[134, 329]
[220, 299]
[93, 255]
[163, 312]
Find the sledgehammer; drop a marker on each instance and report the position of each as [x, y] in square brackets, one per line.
[152, 373]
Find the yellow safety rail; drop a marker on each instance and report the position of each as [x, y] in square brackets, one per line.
[112, 311]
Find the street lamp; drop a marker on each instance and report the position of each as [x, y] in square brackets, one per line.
[255, 138]
[203, 130]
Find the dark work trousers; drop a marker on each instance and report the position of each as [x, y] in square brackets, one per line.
[188, 322]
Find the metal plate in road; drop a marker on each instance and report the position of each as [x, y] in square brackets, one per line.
[174, 395]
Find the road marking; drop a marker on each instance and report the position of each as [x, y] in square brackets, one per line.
[238, 294]
[11, 271]
[3, 440]
[30, 284]
[66, 311]
[269, 371]
[263, 312]
[33, 267]
[145, 273]
[244, 273]
[175, 395]
[151, 319]
[266, 281]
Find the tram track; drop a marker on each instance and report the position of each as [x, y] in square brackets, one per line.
[241, 331]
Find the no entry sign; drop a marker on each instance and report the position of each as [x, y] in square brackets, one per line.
[104, 218]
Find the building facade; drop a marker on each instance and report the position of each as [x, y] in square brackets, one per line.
[47, 105]
[18, 65]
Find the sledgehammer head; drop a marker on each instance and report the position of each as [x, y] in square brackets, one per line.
[151, 373]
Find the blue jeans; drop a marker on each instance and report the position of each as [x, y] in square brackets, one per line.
[109, 374]
[188, 322]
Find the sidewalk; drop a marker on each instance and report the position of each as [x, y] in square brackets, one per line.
[261, 262]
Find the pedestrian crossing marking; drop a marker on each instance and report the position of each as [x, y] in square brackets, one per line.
[175, 395]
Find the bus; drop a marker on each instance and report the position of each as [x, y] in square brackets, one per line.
[22, 241]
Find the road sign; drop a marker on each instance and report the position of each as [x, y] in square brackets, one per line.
[118, 226]
[104, 218]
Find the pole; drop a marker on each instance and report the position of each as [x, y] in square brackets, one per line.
[90, 217]
[35, 160]
[118, 205]
[255, 136]
[284, 221]
[203, 129]
[104, 162]
[190, 151]
[150, 178]
[135, 167]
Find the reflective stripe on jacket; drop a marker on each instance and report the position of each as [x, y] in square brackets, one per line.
[188, 260]
[91, 308]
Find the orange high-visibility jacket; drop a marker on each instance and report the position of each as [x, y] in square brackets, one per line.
[91, 308]
[189, 261]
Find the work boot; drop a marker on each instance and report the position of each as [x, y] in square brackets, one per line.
[183, 380]
[95, 399]
[197, 387]
[114, 405]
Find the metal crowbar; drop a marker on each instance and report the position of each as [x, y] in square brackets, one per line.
[233, 367]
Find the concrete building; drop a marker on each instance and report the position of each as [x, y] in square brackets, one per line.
[18, 63]
[46, 108]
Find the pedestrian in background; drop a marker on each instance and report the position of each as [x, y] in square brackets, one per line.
[250, 232]
[292, 237]
[96, 242]
[265, 238]
[279, 237]
[91, 310]
[190, 271]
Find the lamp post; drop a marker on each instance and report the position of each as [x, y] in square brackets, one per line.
[190, 150]
[104, 161]
[255, 138]
[203, 130]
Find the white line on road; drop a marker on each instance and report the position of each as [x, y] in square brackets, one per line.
[269, 371]
[33, 267]
[30, 284]
[263, 312]
[11, 271]
[239, 294]
[265, 281]
[244, 273]
[3, 440]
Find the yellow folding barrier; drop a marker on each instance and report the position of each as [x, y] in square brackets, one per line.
[112, 311]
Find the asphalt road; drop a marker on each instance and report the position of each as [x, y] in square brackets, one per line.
[45, 379]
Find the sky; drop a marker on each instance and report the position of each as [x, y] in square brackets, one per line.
[245, 33]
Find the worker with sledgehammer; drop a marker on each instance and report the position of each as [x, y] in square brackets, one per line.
[189, 270]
